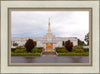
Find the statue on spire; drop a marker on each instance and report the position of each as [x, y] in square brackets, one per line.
[49, 19]
[49, 29]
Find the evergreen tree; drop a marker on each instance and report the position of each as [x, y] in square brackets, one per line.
[29, 45]
[87, 38]
[69, 45]
[81, 42]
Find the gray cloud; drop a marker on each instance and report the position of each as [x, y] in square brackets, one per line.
[63, 23]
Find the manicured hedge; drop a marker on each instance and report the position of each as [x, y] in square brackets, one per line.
[39, 47]
[86, 49]
[60, 48]
[25, 54]
[13, 49]
[73, 54]
[34, 50]
[20, 50]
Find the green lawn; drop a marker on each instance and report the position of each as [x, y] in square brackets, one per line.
[25, 54]
[73, 54]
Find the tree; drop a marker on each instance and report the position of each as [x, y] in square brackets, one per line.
[87, 38]
[69, 45]
[81, 42]
[29, 45]
[63, 43]
[15, 44]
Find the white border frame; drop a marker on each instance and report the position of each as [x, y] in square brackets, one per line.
[50, 69]
[50, 9]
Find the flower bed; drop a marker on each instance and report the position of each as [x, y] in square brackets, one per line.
[19, 51]
[61, 50]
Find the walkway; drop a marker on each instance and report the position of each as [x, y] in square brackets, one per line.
[48, 52]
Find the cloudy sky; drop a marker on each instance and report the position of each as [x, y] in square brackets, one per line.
[63, 23]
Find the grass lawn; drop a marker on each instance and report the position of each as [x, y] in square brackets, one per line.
[73, 54]
[25, 54]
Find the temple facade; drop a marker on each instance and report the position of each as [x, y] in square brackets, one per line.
[47, 41]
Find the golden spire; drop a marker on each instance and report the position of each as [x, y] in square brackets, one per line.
[49, 19]
[49, 29]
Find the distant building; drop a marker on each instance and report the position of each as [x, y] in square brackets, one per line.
[47, 41]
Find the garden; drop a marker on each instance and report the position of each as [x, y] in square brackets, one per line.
[75, 51]
[20, 50]
[70, 50]
[29, 49]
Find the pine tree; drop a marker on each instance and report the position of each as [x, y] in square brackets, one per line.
[87, 38]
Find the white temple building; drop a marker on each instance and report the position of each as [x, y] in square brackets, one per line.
[47, 41]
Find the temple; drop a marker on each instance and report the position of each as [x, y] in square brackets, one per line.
[47, 41]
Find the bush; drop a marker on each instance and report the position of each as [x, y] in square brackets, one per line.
[39, 47]
[29, 45]
[20, 51]
[13, 49]
[15, 44]
[60, 48]
[42, 49]
[20, 47]
[36, 50]
[78, 49]
[23, 50]
[86, 49]
[61, 51]
[69, 45]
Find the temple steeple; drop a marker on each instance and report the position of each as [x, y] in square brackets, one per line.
[49, 29]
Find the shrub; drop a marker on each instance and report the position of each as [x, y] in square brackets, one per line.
[42, 49]
[20, 51]
[36, 50]
[20, 47]
[69, 45]
[13, 49]
[78, 49]
[86, 49]
[15, 44]
[61, 50]
[29, 45]
[39, 47]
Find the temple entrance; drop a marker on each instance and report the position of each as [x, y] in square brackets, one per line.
[49, 50]
[49, 45]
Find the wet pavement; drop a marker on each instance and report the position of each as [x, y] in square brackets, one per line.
[50, 59]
